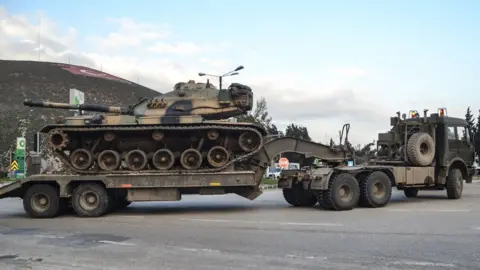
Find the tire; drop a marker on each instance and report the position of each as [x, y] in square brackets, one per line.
[42, 201]
[376, 182]
[421, 149]
[82, 207]
[333, 196]
[454, 184]
[322, 202]
[299, 197]
[410, 192]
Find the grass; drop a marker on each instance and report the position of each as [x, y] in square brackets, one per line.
[6, 180]
[269, 181]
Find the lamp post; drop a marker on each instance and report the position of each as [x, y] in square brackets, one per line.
[220, 77]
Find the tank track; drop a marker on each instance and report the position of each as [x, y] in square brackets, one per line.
[95, 170]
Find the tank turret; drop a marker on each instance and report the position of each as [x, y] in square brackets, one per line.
[184, 130]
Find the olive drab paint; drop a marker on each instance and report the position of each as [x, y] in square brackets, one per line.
[184, 130]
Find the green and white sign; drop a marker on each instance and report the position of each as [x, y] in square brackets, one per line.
[21, 143]
[18, 164]
[77, 97]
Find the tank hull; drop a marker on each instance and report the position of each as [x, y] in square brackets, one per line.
[206, 147]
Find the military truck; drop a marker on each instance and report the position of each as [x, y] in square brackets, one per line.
[433, 152]
[418, 153]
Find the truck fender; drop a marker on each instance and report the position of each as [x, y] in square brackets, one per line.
[285, 182]
[320, 178]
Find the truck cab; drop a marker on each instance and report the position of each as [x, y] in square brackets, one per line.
[437, 140]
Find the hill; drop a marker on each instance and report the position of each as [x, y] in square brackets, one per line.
[52, 82]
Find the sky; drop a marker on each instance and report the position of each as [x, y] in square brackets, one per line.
[319, 64]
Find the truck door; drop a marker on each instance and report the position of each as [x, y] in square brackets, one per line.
[463, 145]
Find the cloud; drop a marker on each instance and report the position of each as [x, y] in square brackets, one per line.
[182, 48]
[130, 34]
[323, 99]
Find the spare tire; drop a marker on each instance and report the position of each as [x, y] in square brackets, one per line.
[421, 149]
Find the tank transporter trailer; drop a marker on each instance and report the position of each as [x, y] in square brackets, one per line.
[434, 152]
[180, 143]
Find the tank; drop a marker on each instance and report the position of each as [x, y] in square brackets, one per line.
[184, 130]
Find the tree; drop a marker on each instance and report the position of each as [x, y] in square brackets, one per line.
[260, 116]
[476, 135]
[297, 132]
[471, 121]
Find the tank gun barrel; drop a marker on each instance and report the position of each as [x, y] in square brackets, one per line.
[83, 107]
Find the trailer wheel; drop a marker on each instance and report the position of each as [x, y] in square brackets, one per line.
[299, 197]
[411, 192]
[90, 200]
[421, 149]
[376, 190]
[454, 184]
[343, 192]
[42, 201]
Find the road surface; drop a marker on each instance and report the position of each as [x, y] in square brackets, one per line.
[230, 232]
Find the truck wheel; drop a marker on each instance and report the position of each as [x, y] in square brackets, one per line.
[376, 190]
[454, 184]
[322, 202]
[421, 149]
[410, 192]
[41, 201]
[343, 192]
[299, 197]
[90, 200]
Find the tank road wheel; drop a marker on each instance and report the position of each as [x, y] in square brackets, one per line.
[248, 141]
[454, 184]
[90, 200]
[81, 159]
[163, 159]
[57, 139]
[191, 159]
[42, 201]
[299, 197]
[410, 192]
[109, 160]
[218, 156]
[343, 192]
[136, 160]
[376, 190]
[421, 149]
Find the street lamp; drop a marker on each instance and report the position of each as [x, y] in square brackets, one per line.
[220, 77]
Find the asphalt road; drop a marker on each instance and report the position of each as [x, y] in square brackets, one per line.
[229, 232]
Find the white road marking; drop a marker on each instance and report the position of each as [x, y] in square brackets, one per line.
[476, 228]
[428, 210]
[293, 256]
[201, 249]
[116, 243]
[264, 222]
[49, 236]
[420, 263]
